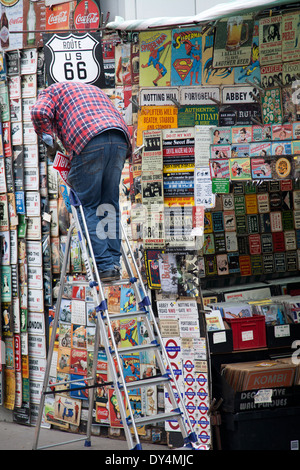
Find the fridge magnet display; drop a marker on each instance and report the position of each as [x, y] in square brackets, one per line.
[271, 106]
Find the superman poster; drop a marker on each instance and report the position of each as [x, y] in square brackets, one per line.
[155, 58]
[186, 57]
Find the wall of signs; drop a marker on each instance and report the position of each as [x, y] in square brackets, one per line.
[210, 191]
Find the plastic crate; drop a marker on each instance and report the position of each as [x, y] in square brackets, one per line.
[249, 332]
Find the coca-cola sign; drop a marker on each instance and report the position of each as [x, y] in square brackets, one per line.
[87, 15]
[58, 17]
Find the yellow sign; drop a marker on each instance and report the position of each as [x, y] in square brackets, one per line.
[155, 117]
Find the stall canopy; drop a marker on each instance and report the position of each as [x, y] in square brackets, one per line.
[212, 14]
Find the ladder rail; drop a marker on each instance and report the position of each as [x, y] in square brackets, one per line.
[52, 341]
[157, 332]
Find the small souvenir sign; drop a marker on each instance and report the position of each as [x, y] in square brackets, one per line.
[233, 41]
[270, 40]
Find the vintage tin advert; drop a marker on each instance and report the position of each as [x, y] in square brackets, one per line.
[290, 36]
[233, 41]
[270, 40]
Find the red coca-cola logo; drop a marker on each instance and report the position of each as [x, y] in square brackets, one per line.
[87, 15]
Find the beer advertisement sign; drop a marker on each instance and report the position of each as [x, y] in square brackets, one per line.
[233, 42]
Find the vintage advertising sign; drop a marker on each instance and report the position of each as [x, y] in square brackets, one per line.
[290, 36]
[233, 42]
[239, 94]
[270, 40]
[80, 54]
[158, 96]
[199, 96]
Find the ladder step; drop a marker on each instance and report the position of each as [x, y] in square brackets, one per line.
[118, 316]
[119, 282]
[142, 421]
[156, 380]
[137, 348]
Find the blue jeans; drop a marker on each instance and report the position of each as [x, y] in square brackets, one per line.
[95, 176]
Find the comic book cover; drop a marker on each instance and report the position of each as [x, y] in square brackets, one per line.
[131, 369]
[186, 56]
[251, 71]
[113, 299]
[127, 299]
[128, 332]
[80, 382]
[155, 58]
[211, 75]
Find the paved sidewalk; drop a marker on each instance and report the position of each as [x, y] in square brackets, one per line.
[18, 437]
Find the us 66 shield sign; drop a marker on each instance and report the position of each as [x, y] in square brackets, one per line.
[74, 57]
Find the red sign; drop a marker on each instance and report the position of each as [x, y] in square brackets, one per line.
[87, 15]
[62, 165]
[58, 16]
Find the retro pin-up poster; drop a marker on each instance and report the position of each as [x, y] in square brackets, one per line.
[155, 58]
[186, 57]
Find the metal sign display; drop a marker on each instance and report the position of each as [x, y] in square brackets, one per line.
[74, 57]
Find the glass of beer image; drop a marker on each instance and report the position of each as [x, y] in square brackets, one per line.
[235, 27]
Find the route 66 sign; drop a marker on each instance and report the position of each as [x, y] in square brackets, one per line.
[74, 57]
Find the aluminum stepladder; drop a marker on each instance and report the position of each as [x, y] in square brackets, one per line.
[114, 354]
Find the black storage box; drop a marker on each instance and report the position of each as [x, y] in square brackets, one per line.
[275, 340]
[276, 429]
[220, 347]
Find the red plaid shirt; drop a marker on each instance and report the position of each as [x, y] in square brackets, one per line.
[75, 112]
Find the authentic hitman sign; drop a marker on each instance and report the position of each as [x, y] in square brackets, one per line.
[74, 57]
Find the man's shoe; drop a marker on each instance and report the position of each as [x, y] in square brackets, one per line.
[110, 275]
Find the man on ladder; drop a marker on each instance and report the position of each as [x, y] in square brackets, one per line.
[93, 131]
[89, 127]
